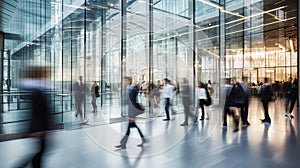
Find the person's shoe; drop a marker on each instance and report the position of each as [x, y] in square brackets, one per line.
[267, 121]
[123, 142]
[224, 124]
[291, 116]
[201, 119]
[121, 146]
[184, 124]
[83, 121]
[118, 146]
[236, 129]
[195, 120]
[143, 141]
[246, 124]
[76, 115]
[287, 115]
[166, 119]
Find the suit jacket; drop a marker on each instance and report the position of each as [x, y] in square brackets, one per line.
[133, 106]
[40, 111]
[186, 94]
[232, 97]
[79, 89]
[266, 93]
[287, 89]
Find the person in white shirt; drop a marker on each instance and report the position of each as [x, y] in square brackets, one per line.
[168, 97]
[202, 97]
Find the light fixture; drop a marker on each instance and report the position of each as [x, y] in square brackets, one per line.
[111, 5]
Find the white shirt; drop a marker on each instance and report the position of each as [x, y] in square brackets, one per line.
[168, 91]
[201, 93]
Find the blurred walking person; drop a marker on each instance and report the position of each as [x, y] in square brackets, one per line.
[168, 97]
[226, 89]
[287, 95]
[293, 97]
[186, 94]
[244, 99]
[231, 105]
[79, 91]
[265, 99]
[35, 81]
[201, 94]
[133, 109]
[95, 94]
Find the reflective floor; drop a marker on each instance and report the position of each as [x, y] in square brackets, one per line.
[205, 144]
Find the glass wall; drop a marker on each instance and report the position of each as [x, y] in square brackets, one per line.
[149, 40]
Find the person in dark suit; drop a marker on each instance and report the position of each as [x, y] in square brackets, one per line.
[265, 99]
[244, 96]
[133, 109]
[186, 94]
[35, 82]
[293, 97]
[287, 95]
[226, 89]
[79, 91]
[94, 94]
[232, 104]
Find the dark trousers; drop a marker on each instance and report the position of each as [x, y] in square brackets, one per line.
[266, 110]
[94, 104]
[167, 106]
[225, 114]
[187, 113]
[36, 161]
[244, 113]
[132, 125]
[78, 105]
[201, 104]
[293, 102]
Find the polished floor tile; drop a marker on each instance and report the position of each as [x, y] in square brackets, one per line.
[205, 144]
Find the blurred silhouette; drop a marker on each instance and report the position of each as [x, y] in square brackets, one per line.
[231, 105]
[186, 94]
[94, 94]
[201, 94]
[152, 92]
[227, 89]
[244, 97]
[168, 96]
[34, 80]
[294, 97]
[265, 99]
[79, 90]
[287, 95]
[133, 109]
